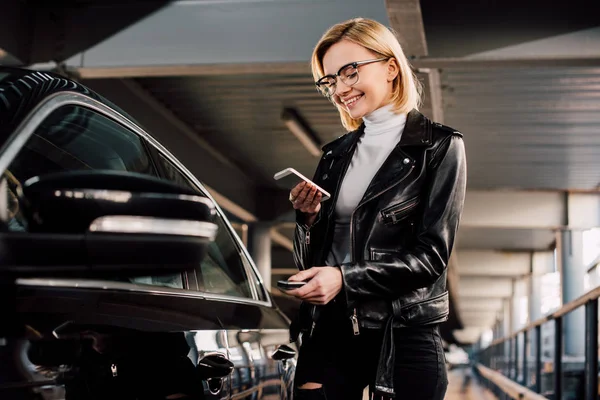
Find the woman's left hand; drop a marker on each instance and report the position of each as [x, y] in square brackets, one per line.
[324, 283]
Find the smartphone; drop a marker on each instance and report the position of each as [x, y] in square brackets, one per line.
[289, 178]
[289, 285]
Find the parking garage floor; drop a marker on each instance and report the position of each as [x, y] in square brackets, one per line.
[474, 391]
[455, 380]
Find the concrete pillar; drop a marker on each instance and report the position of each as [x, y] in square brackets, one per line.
[520, 292]
[507, 330]
[593, 279]
[498, 329]
[572, 273]
[259, 246]
[541, 263]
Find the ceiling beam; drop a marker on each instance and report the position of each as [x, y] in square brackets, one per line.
[302, 68]
[469, 304]
[488, 288]
[470, 334]
[148, 71]
[407, 22]
[514, 209]
[434, 88]
[520, 209]
[8, 59]
[493, 263]
[531, 210]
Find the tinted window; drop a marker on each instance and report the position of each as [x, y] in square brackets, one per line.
[76, 138]
[223, 270]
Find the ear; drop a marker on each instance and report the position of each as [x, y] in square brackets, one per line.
[392, 69]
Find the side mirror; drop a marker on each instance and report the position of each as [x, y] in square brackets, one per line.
[101, 223]
[283, 352]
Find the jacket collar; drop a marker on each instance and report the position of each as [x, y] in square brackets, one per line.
[417, 132]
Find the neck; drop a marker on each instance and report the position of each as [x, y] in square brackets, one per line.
[383, 120]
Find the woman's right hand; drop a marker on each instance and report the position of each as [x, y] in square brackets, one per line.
[306, 198]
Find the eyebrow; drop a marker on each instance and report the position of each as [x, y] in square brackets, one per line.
[338, 71]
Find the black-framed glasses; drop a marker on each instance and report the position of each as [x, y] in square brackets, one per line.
[348, 74]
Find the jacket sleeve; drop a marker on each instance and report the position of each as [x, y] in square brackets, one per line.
[423, 263]
[301, 249]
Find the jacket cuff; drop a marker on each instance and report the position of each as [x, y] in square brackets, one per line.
[301, 220]
[349, 276]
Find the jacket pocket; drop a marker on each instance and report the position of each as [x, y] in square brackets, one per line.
[428, 311]
[381, 255]
[398, 212]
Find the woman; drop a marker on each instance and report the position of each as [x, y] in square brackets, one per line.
[375, 254]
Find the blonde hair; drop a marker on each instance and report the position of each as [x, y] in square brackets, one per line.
[372, 35]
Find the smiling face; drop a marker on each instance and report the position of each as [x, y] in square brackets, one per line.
[374, 87]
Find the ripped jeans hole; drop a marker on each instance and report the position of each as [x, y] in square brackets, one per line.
[311, 386]
[312, 392]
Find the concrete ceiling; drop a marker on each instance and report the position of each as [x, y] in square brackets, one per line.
[523, 90]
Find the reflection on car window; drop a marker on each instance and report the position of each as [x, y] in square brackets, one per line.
[76, 138]
[222, 271]
[171, 281]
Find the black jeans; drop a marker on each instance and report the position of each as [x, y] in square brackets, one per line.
[345, 364]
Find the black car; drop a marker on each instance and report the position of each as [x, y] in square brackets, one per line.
[120, 277]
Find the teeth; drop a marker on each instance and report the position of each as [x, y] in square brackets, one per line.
[352, 100]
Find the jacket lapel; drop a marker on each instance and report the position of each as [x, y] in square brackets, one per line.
[417, 133]
[336, 159]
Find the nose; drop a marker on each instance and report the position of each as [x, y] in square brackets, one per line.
[341, 88]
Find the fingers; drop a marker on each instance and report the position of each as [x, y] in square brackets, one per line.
[297, 189]
[316, 200]
[307, 289]
[325, 284]
[301, 198]
[308, 200]
[310, 196]
[304, 275]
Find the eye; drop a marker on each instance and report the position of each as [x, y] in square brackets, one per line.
[349, 72]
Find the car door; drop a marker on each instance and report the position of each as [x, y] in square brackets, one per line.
[144, 337]
[255, 328]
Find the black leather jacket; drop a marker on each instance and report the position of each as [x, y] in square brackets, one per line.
[402, 233]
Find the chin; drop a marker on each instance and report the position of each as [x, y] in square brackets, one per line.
[358, 113]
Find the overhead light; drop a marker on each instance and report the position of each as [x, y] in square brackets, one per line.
[300, 128]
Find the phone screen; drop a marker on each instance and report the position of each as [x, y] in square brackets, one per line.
[289, 178]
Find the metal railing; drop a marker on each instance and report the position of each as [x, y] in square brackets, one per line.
[517, 365]
[507, 386]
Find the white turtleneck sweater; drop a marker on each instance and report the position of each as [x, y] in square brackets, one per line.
[383, 130]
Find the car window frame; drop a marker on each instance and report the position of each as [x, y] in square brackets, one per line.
[23, 132]
[250, 270]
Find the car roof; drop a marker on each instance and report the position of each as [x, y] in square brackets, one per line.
[21, 90]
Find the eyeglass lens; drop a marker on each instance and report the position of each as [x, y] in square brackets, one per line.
[348, 75]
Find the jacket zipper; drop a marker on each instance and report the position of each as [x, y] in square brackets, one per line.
[354, 317]
[355, 325]
[393, 213]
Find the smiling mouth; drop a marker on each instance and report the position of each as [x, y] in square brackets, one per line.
[351, 101]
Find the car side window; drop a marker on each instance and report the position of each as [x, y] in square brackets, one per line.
[222, 271]
[75, 138]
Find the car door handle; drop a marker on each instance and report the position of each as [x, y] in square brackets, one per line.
[283, 352]
[213, 368]
[214, 365]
